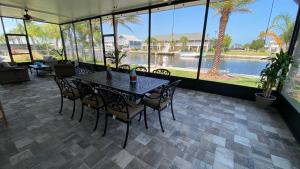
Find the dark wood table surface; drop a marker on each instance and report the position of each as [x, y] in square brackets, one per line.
[120, 81]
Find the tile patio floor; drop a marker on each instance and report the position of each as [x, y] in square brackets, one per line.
[210, 131]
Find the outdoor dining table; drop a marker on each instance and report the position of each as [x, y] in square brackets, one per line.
[121, 82]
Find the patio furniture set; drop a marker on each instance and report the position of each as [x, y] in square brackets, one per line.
[118, 97]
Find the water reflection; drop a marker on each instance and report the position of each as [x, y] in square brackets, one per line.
[237, 66]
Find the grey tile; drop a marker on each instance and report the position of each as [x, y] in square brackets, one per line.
[143, 139]
[242, 140]
[23, 142]
[281, 162]
[210, 131]
[122, 159]
[15, 159]
[223, 157]
[179, 163]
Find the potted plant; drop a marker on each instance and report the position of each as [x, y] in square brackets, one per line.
[274, 73]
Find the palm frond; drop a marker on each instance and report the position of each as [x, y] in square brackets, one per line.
[232, 5]
[242, 10]
[278, 20]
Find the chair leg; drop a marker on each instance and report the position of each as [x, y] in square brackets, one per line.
[159, 116]
[74, 104]
[97, 120]
[81, 116]
[61, 104]
[145, 118]
[172, 110]
[140, 116]
[126, 137]
[105, 125]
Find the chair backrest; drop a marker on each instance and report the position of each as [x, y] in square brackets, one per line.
[83, 88]
[64, 70]
[167, 92]
[125, 67]
[172, 87]
[141, 69]
[162, 73]
[114, 100]
[63, 84]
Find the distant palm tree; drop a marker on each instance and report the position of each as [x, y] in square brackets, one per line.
[225, 9]
[281, 30]
[173, 44]
[184, 40]
[153, 41]
[285, 25]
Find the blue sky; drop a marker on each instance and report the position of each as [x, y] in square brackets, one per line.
[243, 27]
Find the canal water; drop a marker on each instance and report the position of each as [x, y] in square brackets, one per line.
[229, 65]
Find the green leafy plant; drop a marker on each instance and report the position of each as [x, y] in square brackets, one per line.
[58, 53]
[117, 54]
[275, 72]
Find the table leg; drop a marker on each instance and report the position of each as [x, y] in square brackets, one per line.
[37, 72]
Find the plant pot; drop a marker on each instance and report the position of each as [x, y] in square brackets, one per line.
[262, 101]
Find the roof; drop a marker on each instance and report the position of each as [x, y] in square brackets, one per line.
[62, 11]
[129, 37]
[177, 36]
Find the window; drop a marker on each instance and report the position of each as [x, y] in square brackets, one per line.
[14, 26]
[44, 39]
[239, 39]
[107, 25]
[176, 40]
[109, 41]
[97, 39]
[291, 89]
[4, 54]
[69, 39]
[84, 41]
[132, 35]
[17, 39]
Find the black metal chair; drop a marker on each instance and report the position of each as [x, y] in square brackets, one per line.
[68, 91]
[125, 67]
[90, 98]
[161, 101]
[141, 69]
[162, 73]
[117, 106]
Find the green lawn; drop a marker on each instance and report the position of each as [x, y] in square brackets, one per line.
[242, 52]
[238, 80]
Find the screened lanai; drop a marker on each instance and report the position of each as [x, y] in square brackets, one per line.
[215, 53]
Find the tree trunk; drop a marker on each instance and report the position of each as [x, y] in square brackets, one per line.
[70, 35]
[116, 41]
[219, 45]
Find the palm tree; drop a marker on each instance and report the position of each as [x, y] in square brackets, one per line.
[284, 24]
[153, 41]
[124, 20]
[51, 31]
[34, 32]
[184, 40]
[281, 30]
[173, 44]
[225, 9]
[83, 35]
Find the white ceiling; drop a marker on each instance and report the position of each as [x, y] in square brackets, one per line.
[61, 11]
